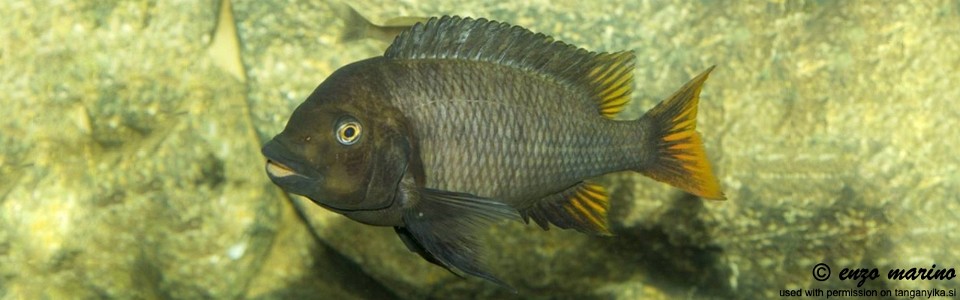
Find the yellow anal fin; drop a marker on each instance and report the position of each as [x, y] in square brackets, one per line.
[582, 207]
[679, 157]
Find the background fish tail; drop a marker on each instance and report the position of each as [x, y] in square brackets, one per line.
[678, 157]
[357, 27]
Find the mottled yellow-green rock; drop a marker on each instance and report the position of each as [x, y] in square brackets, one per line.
[129, 177]
[130, 165]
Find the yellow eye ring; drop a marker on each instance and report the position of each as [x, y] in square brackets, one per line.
[348, 133]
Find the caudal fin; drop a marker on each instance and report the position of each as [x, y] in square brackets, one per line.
[679, 158]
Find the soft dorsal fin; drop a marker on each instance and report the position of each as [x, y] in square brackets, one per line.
[608, 76]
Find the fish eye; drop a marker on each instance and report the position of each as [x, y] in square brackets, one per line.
[348, 132]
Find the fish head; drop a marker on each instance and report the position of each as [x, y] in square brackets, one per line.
[343, 149]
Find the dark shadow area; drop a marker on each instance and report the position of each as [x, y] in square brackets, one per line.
[336, 270]
[676, 254]
[675, 269]
[148, 278]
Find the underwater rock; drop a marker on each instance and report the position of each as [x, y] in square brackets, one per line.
[130, 168]
[130, 165]
[132, 176]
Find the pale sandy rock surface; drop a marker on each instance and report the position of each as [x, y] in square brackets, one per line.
[130, 164]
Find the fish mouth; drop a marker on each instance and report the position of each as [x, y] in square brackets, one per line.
[285, 176]
[286, 170]
[283, 164]
[296, 183]
[289, 174]
[279, 170]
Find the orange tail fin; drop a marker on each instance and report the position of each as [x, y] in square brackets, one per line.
[678, 156]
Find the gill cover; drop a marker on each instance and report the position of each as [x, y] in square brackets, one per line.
[389, 155]
[372, 153]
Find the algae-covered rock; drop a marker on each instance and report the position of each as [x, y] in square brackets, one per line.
[132, 174]
[130, 164]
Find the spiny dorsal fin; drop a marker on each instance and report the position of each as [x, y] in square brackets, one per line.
[582, 207]
[608, 76]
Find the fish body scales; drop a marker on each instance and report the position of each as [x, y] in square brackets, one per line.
[506, 133]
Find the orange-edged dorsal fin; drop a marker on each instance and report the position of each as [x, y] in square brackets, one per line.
[678, 154]
[606, 77]
[612, 82]
[582, 207]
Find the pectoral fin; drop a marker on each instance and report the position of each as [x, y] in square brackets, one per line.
[582, 207]
[441, 226]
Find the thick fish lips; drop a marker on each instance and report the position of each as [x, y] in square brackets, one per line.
[278, 170]
[286, 173]
[293, 177]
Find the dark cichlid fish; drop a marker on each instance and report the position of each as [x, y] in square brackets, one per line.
[466, 121]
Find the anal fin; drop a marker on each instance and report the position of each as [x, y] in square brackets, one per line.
[582, 207]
